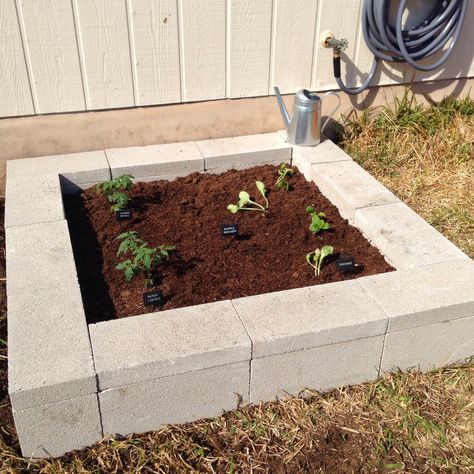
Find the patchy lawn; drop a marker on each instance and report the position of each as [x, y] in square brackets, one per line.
[409, 422]
[425, 155]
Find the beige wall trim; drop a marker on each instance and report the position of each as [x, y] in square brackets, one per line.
[42, 135]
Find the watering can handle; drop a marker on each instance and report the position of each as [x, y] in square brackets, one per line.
[332, 111]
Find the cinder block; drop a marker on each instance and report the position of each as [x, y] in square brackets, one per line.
[39, 257]
[49, 353]
[157, 161]
[54, 429]
[33, 199]
[321, 368]
[176, 399]
[155, 345]
[350, 187]
[68, 188]
[424, 295]
[304, 157]
[78, 168]
[429, 347]
[404, 237]
[244, 152]
[308, 317]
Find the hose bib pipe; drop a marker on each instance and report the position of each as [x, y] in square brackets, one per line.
[392, 43]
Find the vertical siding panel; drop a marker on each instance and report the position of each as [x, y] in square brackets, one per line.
[51, 40]
[249, 48]
[203, 49]
[15, 90]
[294, 40]
[106, 50]
[342, 18]
[155, 33]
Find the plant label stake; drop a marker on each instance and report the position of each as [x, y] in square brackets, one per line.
[345, 264]
[229, 229]
[123, 215]
[153, 298]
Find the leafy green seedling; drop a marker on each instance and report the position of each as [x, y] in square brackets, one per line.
[115, 189]
[246, 204]
[283, 172]
[315, 259]
[317, 223]
[262, 190]
[143, 257]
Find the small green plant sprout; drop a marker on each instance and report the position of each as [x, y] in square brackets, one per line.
[246, 204]
[115, 189]
[143, 257]
[283, 172]
[317, 221]
[315, 259]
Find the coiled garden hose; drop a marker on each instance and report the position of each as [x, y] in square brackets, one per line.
[443, 22]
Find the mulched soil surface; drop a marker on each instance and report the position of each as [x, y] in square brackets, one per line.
[188, 212]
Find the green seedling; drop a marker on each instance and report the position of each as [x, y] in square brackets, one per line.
[246, 204]
[283, 172]
[317, 222]
[143, 258]
[315, 259]
[115, 189]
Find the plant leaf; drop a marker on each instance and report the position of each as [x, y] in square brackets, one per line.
[244, 198]
[129, 274]
[233, 208]
[326, 250]
[325, 226]
[260, 187]
[310, 209]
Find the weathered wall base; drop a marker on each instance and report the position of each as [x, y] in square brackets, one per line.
[42, 135]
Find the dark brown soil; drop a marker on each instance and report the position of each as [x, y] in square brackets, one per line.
[268, 256]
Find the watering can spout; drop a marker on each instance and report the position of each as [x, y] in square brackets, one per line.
[284, 112]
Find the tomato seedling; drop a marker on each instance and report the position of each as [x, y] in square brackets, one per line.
[315, 259]
[317, 221]
[143, 257]
[283, 172]
[246, 204]
[115, 189]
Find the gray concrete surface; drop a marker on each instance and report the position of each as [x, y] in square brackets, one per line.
[179, 398]
[87, 167]
[424, 295]
[173, 159]
[320, 368]
[350, 187]
[54, 429]
[155, 345]
[33, 199]
[303, 318]
[244, 152]
[404, 237]
[429, 347]
[49, 353]
[304, 157]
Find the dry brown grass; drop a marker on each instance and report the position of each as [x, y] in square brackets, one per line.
[425, 156]
[410, 422]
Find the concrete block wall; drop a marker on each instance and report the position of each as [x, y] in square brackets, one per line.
[136, 374]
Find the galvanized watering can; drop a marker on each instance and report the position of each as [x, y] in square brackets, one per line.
[304, 127]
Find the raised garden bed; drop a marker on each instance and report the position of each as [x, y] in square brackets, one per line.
[71, 382]
[267, 255]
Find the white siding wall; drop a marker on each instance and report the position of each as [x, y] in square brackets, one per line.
[73, 55]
